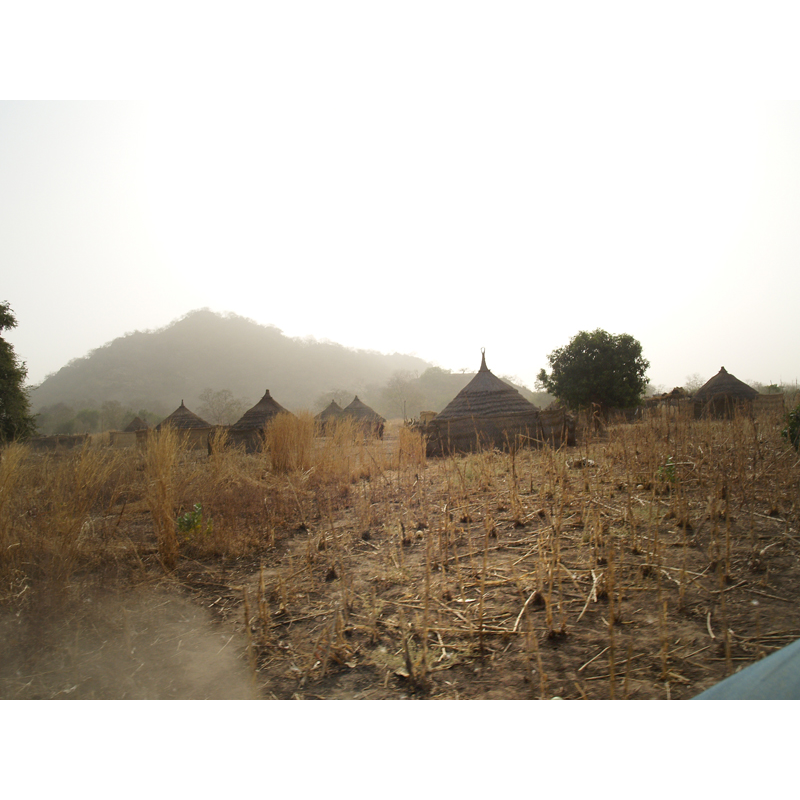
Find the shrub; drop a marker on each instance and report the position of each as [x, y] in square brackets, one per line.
[192, 522]
[792, 430]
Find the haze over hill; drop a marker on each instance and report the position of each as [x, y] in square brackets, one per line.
[156, 370]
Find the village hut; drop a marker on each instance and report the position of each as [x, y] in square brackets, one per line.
[249, 430]
[487, 412]
[332, 414]
[368, 420]
[136, 424]
[134, 432]
[194, 430]
[722, 396]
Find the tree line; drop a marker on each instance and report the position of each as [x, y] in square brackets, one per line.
[594, 370]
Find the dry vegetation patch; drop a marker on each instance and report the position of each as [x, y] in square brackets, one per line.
[649, 562]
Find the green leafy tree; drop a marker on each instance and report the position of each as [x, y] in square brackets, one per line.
[597, 369]
[16, 420]
[792, 430]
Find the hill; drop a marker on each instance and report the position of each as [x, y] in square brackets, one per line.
[220, 365]
[157, 369]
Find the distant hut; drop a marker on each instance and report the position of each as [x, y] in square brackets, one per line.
[136, 424]
[332, 414]
[249, 430]
[135, 432]
[368, 420]
[194, 429]
[487, 412]
[722, 396]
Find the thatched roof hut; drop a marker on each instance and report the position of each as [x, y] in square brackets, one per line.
[332, 413]
[183, 420]
[248, 430]
[724, 393]
[260, 414]
[135, 433]
[487, 412]
[361, 411]
[136, 424]
[195, 431]
[486, 395]
[370, 421]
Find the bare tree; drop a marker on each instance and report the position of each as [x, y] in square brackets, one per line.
[693, 382]
[221, 407]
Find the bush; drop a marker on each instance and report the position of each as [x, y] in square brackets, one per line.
[792, 429]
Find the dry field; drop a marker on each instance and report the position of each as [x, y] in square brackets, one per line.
[651, 561]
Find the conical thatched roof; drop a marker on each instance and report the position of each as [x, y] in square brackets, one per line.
[362, 412]
[136, 424]
[723, 384]
[183, 420]
[332, 412]
[260, 414]
[486, 395]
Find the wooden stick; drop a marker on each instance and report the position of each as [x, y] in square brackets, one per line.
[519, 616]
[771, 596]
[592, 594]
[595, 658]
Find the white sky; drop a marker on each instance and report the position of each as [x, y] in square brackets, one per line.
[428, 178]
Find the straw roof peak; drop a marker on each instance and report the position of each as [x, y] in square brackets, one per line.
[261, 413]
[136, 424]
[725, 384]
[332, 411]
[361, 411]
[183, 419]
[486, 395]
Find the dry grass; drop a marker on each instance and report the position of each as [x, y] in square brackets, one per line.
[289, 442]
[624, 567]
[53, 517]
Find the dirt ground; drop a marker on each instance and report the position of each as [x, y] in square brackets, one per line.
[567, 574]
[498, 627]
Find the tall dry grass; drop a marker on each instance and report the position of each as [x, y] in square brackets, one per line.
[289, 442]
[54, 515]
[11, 472]
[161, 456]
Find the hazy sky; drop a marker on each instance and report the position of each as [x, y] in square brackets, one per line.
[427, 178]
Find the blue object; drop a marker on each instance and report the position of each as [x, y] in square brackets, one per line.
[776, 677]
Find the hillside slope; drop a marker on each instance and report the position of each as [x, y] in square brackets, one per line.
[158, 369]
